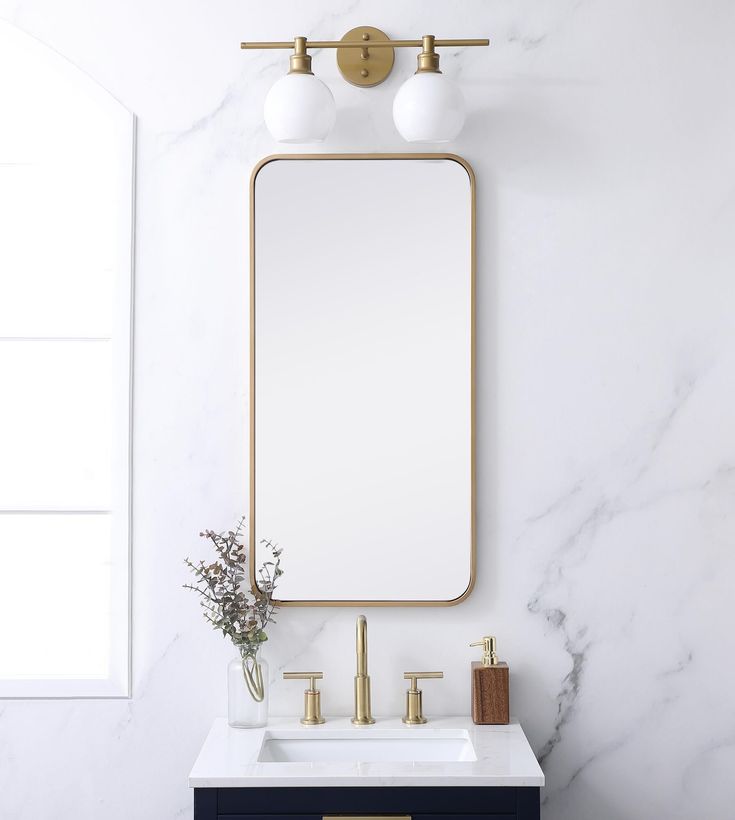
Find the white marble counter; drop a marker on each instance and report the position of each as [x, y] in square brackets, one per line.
[229, 757]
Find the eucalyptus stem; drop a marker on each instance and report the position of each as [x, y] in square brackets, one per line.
[253, 675]
[240, 614]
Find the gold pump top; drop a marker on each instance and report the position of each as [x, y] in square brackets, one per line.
[489, 655]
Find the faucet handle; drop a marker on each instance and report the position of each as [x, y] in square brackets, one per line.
[414, 707]
[312, 696]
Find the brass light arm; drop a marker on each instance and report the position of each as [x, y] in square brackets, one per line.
[374, 62]
[361, 43]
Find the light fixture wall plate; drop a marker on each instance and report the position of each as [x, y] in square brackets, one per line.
[365, 67]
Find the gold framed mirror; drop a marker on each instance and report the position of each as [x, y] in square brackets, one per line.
[362, 371]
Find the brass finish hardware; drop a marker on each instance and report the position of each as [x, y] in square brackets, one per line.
[358, 44]
[428, 60]
[300, 61]
[252, 562]
[489, 655]
[365, 55]
[362, 716]
[414, 708]
[312, 696]
[363, 67]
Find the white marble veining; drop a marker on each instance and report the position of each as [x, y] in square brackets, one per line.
[602, 138]
[502, 756]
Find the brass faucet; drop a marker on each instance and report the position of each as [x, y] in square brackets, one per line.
[362, 716]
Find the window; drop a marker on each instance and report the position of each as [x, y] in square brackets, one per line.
[66, 197]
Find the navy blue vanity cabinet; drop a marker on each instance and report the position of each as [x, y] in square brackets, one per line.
[235, 776]
[417, 803]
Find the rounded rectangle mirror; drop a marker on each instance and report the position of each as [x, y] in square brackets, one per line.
[362, 371]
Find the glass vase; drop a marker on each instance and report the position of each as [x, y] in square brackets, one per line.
[247, 690]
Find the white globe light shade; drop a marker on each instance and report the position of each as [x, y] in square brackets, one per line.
[429, 107]
[299, 108]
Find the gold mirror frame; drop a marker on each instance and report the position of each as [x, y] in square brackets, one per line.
[473, 262]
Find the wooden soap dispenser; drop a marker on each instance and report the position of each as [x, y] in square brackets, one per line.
[490, 685]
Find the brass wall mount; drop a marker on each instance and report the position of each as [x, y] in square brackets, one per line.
[361, 67]
[365, 55]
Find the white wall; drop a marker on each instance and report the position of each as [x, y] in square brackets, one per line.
[602, 138]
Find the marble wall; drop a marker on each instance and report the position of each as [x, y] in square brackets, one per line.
[602, 137]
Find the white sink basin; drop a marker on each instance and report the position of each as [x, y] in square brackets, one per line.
[355, 747]
[447, 751]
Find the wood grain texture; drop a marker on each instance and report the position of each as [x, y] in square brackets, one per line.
[490, 693]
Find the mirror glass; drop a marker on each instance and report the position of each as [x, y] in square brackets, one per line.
[361, 376]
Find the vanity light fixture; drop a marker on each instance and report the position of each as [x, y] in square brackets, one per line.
[299, 107]
[429, 107]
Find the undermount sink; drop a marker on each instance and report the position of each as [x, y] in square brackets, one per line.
[351, 747]
[448, 751]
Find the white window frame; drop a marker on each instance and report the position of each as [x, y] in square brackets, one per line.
[119, 682]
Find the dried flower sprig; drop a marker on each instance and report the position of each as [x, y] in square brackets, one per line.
[240, 616]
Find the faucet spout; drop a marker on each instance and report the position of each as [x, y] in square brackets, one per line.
[362, 716]
[361, 645]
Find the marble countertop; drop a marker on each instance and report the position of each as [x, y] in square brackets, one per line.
[229, 757]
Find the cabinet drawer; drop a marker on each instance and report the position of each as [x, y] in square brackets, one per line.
[366, 816]
[314, 803]
[269, 817]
